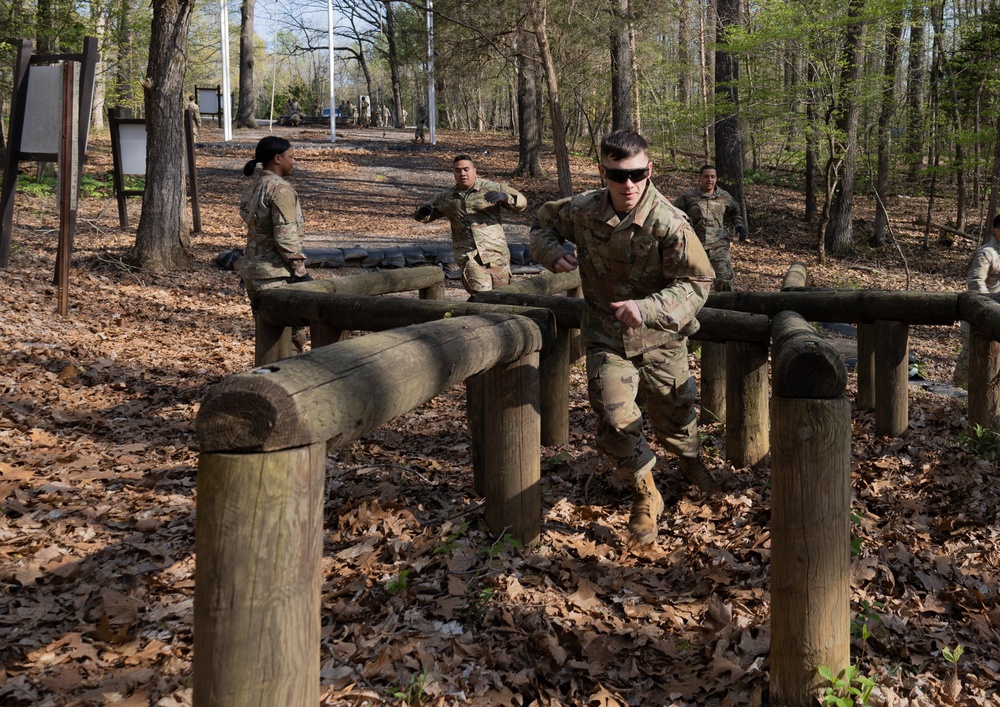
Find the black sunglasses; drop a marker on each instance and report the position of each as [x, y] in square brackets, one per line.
[623, 175]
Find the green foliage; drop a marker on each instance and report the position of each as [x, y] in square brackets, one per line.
[415, 692]
[556, 460]
[952, 655]
[506, 542]
[449, 544]
[858, 541]
[982, 441]
[849, 689]
[36, 186]
[400, 584]
[865, 616]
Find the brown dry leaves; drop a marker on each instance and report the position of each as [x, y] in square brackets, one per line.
[97, 481]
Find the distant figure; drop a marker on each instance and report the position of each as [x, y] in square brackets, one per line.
[403, 121]
[472, 207]
[982, 276]
[293, 113]
[365, 112]
[196, 115]
[270, 208]
[418, 133]
[352, 112]
[386, 115]
[713, 212]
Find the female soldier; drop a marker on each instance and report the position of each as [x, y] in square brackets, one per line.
[270, 208]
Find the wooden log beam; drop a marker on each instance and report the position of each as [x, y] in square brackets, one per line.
[544, 283]
[892, 378]
[855, 306]
[747, 393]
[513, 450]
[797, 276]
[259, 549]
[865, 368]
[982, 312]
[713, 381]
[984, 380]
[382, 282]
[340, 392]
[804, 365]
[947, 229]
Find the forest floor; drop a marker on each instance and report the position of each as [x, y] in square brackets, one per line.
[420, 605]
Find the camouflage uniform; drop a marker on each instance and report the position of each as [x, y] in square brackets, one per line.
[654, 258]
[418, 133]
[982, 276]
[713, 215]
[477, 232]
[195, 118]
[270, 207]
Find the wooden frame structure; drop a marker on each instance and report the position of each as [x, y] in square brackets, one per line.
[210, 90]
[14, 154]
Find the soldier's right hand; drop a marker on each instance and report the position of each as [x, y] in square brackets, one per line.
[567, 263]
[423, 212]
[495, 197]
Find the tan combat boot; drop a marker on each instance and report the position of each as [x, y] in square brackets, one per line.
[647, 507]
[696, 473]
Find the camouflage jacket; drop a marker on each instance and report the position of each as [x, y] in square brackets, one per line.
[270, 208]
[712, 215]
[651, 256]
[983, 274]
[475, 223]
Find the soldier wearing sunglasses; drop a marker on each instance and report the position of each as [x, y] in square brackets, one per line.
[713, 212]
[645, 276]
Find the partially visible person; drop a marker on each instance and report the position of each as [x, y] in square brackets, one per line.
[472, 207]
[713, 212]
[386, 115]
[404, 115]
[983, 275]
[195, 116]
[418, 133]
[270, 207]
[645, 277]
[352, 112]
[365, 112]
[293, 113]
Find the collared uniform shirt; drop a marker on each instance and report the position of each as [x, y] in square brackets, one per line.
[713, 216]
[651, 256]
[270, 207]
[983, 274]
[476, 226]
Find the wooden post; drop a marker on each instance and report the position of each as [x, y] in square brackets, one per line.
[272, 342]
[810, 512]
[576, 347]
[984, 380]
[322, 334]
[475, 405]
[865, 368]
[892, 378]
[259, 548]
[513, 454]
[796, 276]
[713, 381]
[747, 391]
[69, 179]
[554, 389]
[434, 292]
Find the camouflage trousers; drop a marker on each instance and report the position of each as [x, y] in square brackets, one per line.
[418, 132]
[300, 334]
[722, 263]
[477, 277]
[662, 376]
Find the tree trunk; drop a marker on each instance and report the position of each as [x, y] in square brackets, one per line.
[839, 231]
[161, 239]
[683, 58]
[915, 91]
[728, 148]
[703, 76]
[245, 107]
[558, 126]
[530, 134]
[621, 67]
[100, 74]
[390, 40]
[812, 158]
[893, 36]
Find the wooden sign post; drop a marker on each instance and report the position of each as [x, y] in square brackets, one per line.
[209, 99]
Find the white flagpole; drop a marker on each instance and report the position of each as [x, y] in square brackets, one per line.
[333, 106]
[227, 118]
[431, 109]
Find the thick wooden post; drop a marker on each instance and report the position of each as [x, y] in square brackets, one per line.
[810, 512]
[513, 449]
[435, 291]
[576, 348]
[713, 381]
[891, 378]
[475, 404]
[259, 545]
[747, 391]
[272, 342]
[322, 334]
[984, 380]
[554, 389]
[865, 368]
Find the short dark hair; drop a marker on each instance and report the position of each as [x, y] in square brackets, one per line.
[463, 158]
[268, 147]
[622, 144]
[704, 167]
[996, 221]
[190, 98]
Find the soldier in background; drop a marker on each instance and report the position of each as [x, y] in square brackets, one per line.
[473, 208]
[645, 277]
[270, 208]
[713, 212]
[195, 116]
[352, 112]
[418, 133]
[386, 115]
[982, 275]
[365, 112]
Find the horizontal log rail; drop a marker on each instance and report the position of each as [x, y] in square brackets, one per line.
[856, 306]
[981, 311]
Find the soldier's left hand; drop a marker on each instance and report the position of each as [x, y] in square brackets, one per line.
[628, 313]
[742, 233]
[495, 197]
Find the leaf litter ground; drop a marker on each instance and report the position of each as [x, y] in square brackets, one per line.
[421, 605]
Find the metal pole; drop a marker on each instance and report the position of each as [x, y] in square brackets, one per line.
[333, 109]
[227, 119]
[431, 111]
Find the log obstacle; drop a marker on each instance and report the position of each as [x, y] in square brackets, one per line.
[810, 512]
[983, 315]
[264, 436]
[893, 378]
[865, 367]
[273, 320]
